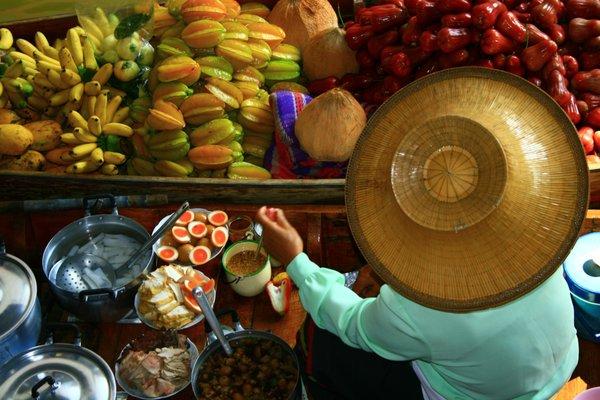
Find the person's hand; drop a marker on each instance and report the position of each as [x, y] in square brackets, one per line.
[279, 237]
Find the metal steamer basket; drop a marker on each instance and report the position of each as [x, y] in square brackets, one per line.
[104, 304]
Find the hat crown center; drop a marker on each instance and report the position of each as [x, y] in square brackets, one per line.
[450, 174]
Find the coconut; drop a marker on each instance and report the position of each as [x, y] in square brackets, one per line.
[327, 54]
[302, 19]
[330, 125]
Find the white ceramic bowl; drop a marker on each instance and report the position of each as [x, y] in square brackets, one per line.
[192, 349]
[249, 285]
[156, 245]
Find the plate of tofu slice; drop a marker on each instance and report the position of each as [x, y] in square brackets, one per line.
[164, 299]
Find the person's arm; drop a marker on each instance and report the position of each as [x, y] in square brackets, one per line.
[376, 324]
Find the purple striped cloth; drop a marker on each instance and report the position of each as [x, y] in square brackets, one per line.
[285, 158]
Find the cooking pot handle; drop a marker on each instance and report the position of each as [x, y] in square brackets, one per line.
[237, 325]
[51, 327]
[87, 207]
[94, 294]
[46, 380]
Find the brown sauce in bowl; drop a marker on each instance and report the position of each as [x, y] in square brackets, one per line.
[244, 263]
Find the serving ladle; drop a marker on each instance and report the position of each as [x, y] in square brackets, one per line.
[211, 318]
[69, 275]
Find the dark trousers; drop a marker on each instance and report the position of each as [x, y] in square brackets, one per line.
[331, 370]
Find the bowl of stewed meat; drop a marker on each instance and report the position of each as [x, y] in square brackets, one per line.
[262, 366]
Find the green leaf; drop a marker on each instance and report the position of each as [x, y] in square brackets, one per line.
[130, 24]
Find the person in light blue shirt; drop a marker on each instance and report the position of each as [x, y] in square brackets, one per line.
[360, 348]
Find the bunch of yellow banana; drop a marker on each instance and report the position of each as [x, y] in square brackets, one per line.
[127, 54]
[6, 39]
[54, 71]
[99, 27]
[94, 137]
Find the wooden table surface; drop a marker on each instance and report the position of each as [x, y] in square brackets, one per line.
[328, 242]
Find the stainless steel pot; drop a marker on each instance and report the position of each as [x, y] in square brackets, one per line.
[20, 313]
[239, 333]
[58, 372]
[97, 304]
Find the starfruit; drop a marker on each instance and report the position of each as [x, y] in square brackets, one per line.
[255, 8]
[174, 7]
[237, 52]
[179, 169]
[219, 173]
[211, 156]
[203, 34]
[248, 19]
[214, 132]
[174, 31]
[256, 144]
[163, 20]
[174, 92]
[258, 161]
[249, 74]
[139, 166]
[238, 151]
[153, 79]
[215, 66]
[233, 8]
[249, 89]
[245, 170]
[179, 68]
[256, 116]
[139, 108]
[261, 52]
[286, 52]
[239, 132]
[225, 91]
[139, 146]
[278, 71]
[194, 10]
[169, 145]
[201, 108]
[263, 96]
[272, 34]
[165, 116]
[288, 87]
[236, 30]
[172, 46]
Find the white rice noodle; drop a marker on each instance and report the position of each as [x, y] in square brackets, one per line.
[89, 281]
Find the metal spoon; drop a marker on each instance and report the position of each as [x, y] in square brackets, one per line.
[69, 274]
[211, 318]
[259, 247]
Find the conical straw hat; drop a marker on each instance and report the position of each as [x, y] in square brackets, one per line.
[467, 189]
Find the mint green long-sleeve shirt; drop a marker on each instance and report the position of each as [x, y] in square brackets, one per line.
[526, 349]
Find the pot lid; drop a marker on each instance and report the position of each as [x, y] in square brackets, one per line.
[57, 372]
[582, 266]
[17, 293]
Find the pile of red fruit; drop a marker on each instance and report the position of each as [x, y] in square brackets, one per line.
[554, 44]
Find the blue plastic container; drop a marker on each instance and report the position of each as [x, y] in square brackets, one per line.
[582, 273]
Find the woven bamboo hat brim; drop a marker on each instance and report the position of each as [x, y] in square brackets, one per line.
[467, 189]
